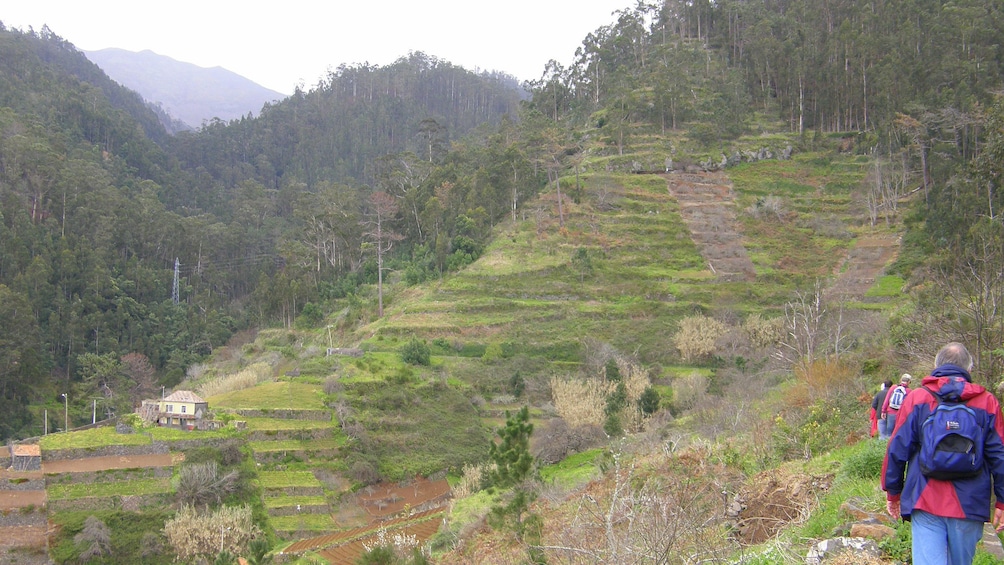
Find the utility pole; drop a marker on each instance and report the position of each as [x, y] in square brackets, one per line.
[66, 413]
[175, 290]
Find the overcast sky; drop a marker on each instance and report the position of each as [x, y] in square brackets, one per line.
[285, 43]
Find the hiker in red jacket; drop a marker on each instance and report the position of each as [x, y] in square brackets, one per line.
[946, 509]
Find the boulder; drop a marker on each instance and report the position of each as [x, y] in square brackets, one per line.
[829, 548]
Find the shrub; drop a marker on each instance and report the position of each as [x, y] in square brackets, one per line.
[697, 336]
[763, 332]
[310, 316]
[193, 534]
[493, 353]
[767, 208]
[649, 401]
[865, 463]
[202, 484]
[416, 352]
[97, 538]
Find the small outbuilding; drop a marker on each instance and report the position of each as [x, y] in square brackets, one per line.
[26, 457]
[182, 409]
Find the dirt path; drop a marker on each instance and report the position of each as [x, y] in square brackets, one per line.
[14, 499]
[862, 266]
[106, 463]
[708, 208]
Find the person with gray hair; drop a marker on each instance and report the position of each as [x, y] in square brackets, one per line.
[954, 354]
[945, 457]
[891, 405]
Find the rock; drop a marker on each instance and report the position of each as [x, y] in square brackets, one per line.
[853, 508]
[872, 531]
[827, 548]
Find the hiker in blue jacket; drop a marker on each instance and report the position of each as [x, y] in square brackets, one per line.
[946, 515]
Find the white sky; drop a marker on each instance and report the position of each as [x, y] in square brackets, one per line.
[285, 43]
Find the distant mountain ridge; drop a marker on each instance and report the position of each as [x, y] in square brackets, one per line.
[185, 91]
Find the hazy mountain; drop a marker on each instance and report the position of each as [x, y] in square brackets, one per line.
[185, 91]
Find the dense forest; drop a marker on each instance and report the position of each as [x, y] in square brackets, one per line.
[120, 242]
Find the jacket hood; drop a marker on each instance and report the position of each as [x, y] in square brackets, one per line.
[952, 381]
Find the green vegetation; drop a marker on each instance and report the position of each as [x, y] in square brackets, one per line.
[548, 262]
[69, 491]
[286, 479]
[282, 395]
[93, 438]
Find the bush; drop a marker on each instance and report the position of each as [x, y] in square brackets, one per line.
[865, 463]
[310, 316]
[697, 336]
[202, 484]
[416, 352]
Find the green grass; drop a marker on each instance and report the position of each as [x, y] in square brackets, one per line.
[174, 434]
[573, 470]
[299, 445]
[281, 395]
[887, 286]
[96, 437]
[305, 522]
[70, 491]
[287, 501]
[278, 424]
[287, 479]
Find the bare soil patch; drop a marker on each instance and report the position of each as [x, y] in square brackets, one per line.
[387, 499]
[22, 536]
[862, 265]
[773, 500]
[106, 463]
[708, 208]
[14, 499]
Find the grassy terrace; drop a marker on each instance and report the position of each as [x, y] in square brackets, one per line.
[299, 445]
[96, 437]
[283, 395]
[287, 501]
[287, 479]
[304, 522]
[278, 424]
[72, 491]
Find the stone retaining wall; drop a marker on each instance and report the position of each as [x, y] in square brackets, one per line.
[21, 518]
[182, 445]
[315, 415]
[297, 491]
[21, 484]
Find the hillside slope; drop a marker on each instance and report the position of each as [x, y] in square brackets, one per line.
[187, 92]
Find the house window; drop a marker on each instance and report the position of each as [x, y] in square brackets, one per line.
[170, 408]
[184, 408]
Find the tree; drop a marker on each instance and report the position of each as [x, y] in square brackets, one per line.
[381, 213]
[416, 352]
[514, 467]
[202, 484]
[96, 536]
[511, 454]
[649, 401]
